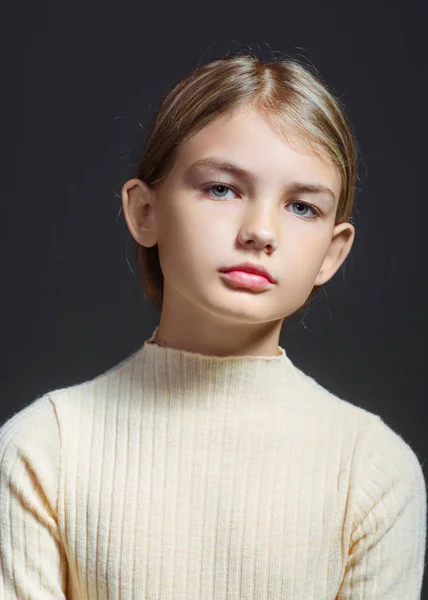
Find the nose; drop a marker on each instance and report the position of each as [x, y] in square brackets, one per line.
[259, 232]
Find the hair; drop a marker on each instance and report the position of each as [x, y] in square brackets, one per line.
[284, 91]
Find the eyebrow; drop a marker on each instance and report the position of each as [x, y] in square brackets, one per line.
[219, 164]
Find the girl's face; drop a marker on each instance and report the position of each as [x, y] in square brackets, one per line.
[207, 218]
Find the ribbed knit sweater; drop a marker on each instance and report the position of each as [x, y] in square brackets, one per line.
[178, 475]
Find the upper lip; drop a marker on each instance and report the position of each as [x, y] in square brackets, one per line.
[250, 267]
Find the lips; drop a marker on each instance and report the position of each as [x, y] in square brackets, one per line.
[250, 268]
[244, 280]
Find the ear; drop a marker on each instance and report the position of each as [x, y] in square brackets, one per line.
[340, 246]
[138, 201]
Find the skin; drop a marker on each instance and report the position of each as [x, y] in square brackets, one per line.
[199, 231]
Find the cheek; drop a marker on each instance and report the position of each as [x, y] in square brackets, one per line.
[190, 235]
[301, 260]
[181, 246]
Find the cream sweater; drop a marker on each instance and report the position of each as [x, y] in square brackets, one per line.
[176, 475]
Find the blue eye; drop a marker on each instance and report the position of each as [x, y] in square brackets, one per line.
[212, 186]
[305, 205]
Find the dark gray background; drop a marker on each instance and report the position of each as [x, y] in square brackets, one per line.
[80, 85]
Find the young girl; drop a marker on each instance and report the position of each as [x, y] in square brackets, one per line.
[206, 465]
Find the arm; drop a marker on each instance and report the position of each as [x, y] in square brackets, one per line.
[32, 558]
[387, 545]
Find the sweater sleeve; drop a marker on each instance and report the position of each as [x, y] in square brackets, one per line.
[32, 558]
[387, 545]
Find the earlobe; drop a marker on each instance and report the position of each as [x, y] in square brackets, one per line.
[340, 247]
[138, 210]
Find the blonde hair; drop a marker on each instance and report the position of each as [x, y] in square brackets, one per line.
[283, 90]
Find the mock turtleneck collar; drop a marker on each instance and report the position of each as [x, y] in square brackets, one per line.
[228, 379]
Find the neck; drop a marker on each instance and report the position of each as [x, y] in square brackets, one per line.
[197, 379]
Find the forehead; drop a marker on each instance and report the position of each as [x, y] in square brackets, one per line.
[251, 141]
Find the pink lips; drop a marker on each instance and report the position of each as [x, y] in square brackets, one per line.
[247, 280]
[250, 267]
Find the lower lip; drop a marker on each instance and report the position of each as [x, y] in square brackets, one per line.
[247, 280]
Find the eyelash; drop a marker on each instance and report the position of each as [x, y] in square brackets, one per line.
[208, 187]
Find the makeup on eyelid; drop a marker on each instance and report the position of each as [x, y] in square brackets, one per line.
[208, 187]
[219, 164]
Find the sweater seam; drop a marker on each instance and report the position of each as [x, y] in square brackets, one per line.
[60, 453]
[359, 467]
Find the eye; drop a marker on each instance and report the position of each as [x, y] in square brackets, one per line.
[209, 188]
[305, 205]
[216, 186]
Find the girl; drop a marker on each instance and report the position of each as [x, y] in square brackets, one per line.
[206, 464]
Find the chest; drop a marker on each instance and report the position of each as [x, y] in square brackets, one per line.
[211, 513]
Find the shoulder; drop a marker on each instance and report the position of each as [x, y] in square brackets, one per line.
[47, 420]
[35, 424]
[330, 414]
[30, 452]
[376, 445]
[387, 459]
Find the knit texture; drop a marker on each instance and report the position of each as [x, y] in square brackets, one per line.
[177, 475]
